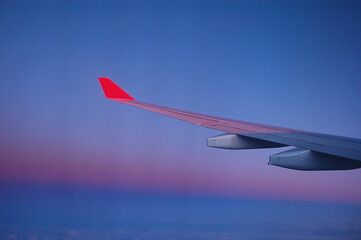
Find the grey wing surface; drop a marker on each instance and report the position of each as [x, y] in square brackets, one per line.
[314, 151]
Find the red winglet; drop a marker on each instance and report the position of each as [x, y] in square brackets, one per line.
[111, 90]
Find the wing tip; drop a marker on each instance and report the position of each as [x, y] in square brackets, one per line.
[113, 91]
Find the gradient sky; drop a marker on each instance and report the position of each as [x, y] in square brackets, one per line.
[70, 156]
[293, 64]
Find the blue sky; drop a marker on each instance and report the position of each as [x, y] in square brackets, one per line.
[293, 64]
[49, 212]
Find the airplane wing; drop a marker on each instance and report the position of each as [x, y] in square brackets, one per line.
[314, 151]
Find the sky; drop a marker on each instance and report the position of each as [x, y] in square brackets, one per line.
[293, 64]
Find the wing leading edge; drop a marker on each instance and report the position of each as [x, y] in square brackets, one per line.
[314, 151]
